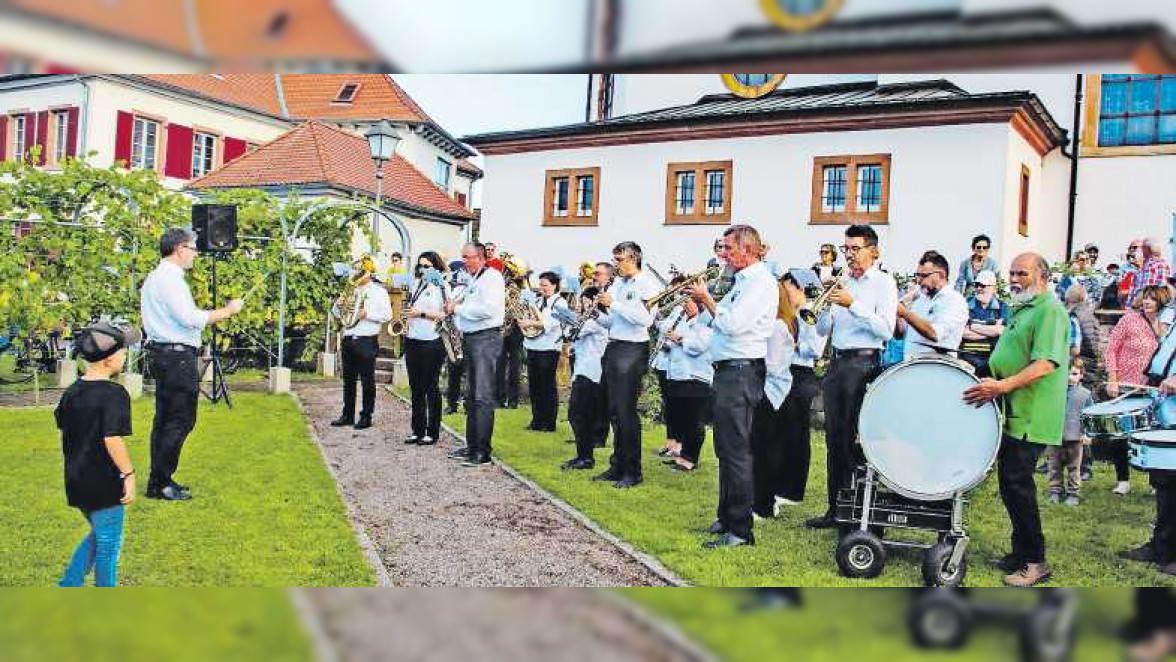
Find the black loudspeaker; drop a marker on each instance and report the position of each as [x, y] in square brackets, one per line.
[215, 227]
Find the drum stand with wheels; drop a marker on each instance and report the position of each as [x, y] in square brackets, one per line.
[943, 619]
[866, 509]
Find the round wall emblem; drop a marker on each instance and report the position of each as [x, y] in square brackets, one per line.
[752, 86]
[801, 15]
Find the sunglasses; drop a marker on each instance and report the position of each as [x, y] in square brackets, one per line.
[981, 247]
[980, 286]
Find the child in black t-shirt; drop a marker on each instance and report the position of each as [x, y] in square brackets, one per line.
[94, 415]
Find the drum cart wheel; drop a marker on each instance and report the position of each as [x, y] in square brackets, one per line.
[861, 555]
[940, 619]
[942, 566]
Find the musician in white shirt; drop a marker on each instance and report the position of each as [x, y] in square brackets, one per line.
[796, 415]
[674, 319]
[767, 430]
[360, 347]
[424, 354]
[934, 314]
[689, 375]
[543, 353]
[479, 316]
[587, 406]
[626, 360]
[859, 323]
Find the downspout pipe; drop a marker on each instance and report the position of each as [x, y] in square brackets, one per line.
[1075, 157]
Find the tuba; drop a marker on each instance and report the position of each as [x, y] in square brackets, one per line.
[519, 311]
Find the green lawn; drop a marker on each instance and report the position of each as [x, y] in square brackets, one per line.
[266, 511]
[835, 625]
[667, 515]
[236, 625]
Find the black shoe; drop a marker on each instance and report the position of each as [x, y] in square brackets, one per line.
[413, 440]
[716, 529]
[364, 423]
[1009, 563]
[462, 453]
[1141, 554]
[343, 421]
[169, 493]
[609, 476]
[476, 461]
[182, 488]
[825, 521]
[578, 464]
[626, 483]
[728, 540]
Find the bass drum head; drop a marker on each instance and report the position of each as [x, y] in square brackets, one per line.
[920, 436]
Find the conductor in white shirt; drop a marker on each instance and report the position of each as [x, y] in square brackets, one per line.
[174, 324]
[360, 346]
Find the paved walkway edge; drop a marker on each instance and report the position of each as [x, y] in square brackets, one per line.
[650, 563]
[659, 626]
[312, 622]
[365, 542]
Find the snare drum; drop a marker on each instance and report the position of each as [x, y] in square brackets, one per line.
[1120, 417]
[1154, 449]
[920, 436]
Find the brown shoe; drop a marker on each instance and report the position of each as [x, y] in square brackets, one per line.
[1031, 575]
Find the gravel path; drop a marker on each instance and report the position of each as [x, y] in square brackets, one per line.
[570, 625]
[435, 523]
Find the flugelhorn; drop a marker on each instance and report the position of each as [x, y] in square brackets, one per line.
[821, 303]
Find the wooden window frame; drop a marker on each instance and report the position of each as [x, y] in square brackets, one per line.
[1023, 196]
[447, 184]
[571, 220]
[1092, 114]
[160, 133]
[851, 215]
[18, 154]
[217, 151]
[701, 189]
[53, 142]
[351, 99]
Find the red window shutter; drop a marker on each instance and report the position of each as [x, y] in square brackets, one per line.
[179, 152]
[461, 199]
[3, 137]
[122, 138]
[234, 147]
[43, 136]
[60, 69]
[71, 132]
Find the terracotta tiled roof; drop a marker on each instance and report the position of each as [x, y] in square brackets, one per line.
[306, 96]
[218, 30]
[317, 153]
[464, 165]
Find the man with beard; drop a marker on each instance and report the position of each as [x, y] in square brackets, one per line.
[933, 313]
[1029, 365]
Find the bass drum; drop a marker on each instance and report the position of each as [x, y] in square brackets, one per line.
[921, 437]
[1154, 450]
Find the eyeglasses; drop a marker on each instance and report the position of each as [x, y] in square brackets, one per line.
[980, 247]
[191, 247]
[920, 275]
[852, 250]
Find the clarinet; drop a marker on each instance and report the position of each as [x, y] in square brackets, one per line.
[662, 341]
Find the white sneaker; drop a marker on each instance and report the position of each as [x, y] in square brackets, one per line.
[780, 502]
[1123, 488]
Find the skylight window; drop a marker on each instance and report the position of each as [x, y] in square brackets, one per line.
[346, 94]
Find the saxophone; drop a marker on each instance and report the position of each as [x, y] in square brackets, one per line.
[399, 325]
[450, 336]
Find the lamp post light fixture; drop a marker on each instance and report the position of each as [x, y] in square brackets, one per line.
[382, 140]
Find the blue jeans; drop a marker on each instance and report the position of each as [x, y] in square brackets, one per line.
[98, 550]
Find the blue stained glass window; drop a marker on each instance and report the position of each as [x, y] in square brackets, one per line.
[1141, 130]
[1114, 98]
[1168, 94]
[1143, 96]
[1137, 109]
[1168, 129]
[1111, 133]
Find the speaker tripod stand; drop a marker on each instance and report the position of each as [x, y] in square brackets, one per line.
[220, 387]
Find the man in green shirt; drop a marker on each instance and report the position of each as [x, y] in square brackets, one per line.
[1029, 365]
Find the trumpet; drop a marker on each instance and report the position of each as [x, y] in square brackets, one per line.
[674, 295]
[821, 303]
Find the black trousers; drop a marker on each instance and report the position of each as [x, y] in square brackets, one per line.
[687, 409]
[544, 392]
[588, 415]
[738, 391]
[453, 383]
[177, 390]
[1155, 609]
[481, 350]
[767, 452]
[1016, 469]
[1119, 457]
[508, 367]
[624, 366]
[845, 387]
[1164, 536]
[423, 359]
[796, 429]
[663, 387]
[359, 364]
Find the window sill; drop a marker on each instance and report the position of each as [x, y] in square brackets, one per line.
[1127, 150]
[850, 219]
[722, 219]
[570, 222]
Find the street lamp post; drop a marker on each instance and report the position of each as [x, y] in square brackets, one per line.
[382, 140]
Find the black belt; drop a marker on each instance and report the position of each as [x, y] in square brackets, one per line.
[345, 338]
[863, 353]
[739, 363]
[495, 329]
[172, 346]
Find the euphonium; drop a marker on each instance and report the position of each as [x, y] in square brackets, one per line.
[821, 303]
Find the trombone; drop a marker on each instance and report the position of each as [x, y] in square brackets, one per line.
[821, 303]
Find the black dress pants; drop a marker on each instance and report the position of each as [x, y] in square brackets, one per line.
[453, 383]
[1164, 536]
[624, 366]
[796, 429]
[508, 367]
[359, 364]
[541, 368]
[845, 387]
[738, 390]
[588, 415]
[767, 451]
[481, 350]
[423, 360]
[687, 409]
[1016, 468]
[177, 391]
